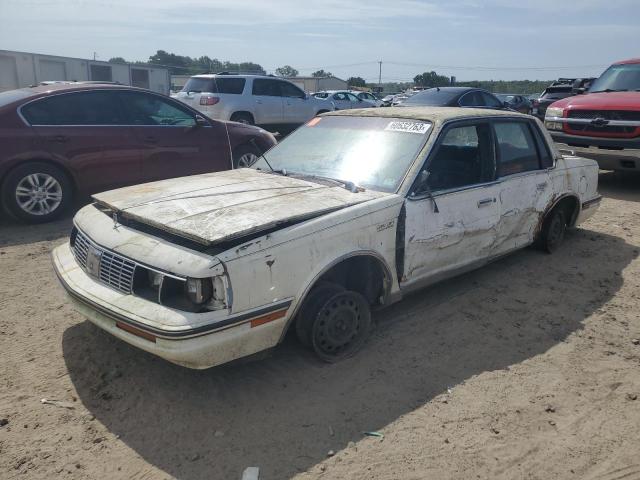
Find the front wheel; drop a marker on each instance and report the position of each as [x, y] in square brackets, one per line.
[36, 192]
[334, 322]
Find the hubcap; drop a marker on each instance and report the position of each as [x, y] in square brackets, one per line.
[39, 194]
[247, 160]
[555, 235]
[338, 325]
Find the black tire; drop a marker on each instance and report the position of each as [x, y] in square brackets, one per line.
[46, 185]
[244, 156]
[307, 314]
[341, 326]
[242, 117]
[553, 230]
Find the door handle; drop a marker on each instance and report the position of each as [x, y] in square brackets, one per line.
[259, 101]
[150, 139]
[59, 139]
[542, 186]
[450, 224]
[485, 201]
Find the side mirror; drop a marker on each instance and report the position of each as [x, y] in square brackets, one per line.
[506, 104]
[201, 121]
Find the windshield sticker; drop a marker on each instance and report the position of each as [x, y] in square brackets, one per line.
[412, 127]
[313, 122]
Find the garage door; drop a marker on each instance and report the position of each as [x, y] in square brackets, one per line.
[52, 70]
[8, 73]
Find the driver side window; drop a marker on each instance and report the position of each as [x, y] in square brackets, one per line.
[463, 157]
[145, 109]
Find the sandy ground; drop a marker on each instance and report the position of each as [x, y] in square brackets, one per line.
[523, 369]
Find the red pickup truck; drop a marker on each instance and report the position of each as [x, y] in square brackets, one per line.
[604, 122]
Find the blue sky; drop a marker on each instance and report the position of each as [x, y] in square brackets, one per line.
[471, 39]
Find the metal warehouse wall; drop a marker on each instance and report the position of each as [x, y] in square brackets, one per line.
[22, 69]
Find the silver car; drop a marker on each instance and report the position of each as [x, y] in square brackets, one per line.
[272, 103]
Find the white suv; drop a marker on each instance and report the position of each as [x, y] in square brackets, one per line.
[272, 103]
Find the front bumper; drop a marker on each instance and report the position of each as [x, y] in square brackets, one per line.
[178, 337]
[610, 153]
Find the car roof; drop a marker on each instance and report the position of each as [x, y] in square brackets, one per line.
[232, 75]
[427, 114]
[628, 62]
[42, 90]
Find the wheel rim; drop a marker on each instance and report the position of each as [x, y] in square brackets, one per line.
[338, 326]
[39, 194]
[247, 160]
[556, 232]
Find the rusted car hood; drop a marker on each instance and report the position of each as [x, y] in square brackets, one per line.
[222, 206]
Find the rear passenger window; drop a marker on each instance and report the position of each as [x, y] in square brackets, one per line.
[290, 90]
[472, 99]
[83, 108]
[516, 148]
[217, 85]
[464, 157]
[267, 88]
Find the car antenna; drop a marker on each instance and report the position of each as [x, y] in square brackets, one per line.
[253, 142]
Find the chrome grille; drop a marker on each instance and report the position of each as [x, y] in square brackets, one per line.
[115, 271]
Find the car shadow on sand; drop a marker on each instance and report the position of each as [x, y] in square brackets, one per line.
[284, 413]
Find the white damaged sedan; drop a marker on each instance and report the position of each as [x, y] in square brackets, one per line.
[347, 214]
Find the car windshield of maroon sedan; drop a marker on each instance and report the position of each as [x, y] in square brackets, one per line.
[371, 152]
[618, 78]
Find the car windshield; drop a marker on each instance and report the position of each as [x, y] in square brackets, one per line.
[434, 97]
[371, 152]
[618, 78]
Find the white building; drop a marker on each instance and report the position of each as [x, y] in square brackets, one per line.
[21, 69]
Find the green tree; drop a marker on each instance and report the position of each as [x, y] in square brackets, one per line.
[117, 60]
[356, 82]
[321, 73]
[431, 79]
[286, 71]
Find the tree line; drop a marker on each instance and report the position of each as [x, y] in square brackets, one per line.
[185, 65]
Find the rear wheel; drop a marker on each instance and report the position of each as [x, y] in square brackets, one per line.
[36, 192]
[242, 117]
[553, 230]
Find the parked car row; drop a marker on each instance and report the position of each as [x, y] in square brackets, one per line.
[66, 140]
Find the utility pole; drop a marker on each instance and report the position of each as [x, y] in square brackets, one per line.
[94, 55]
[380, 74]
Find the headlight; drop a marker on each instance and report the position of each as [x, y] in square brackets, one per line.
[199, 290]
[190, 295]
[554, 112]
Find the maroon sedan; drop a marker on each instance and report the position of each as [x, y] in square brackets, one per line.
[63, 141]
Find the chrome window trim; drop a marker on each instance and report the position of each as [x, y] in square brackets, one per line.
[462, 121]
